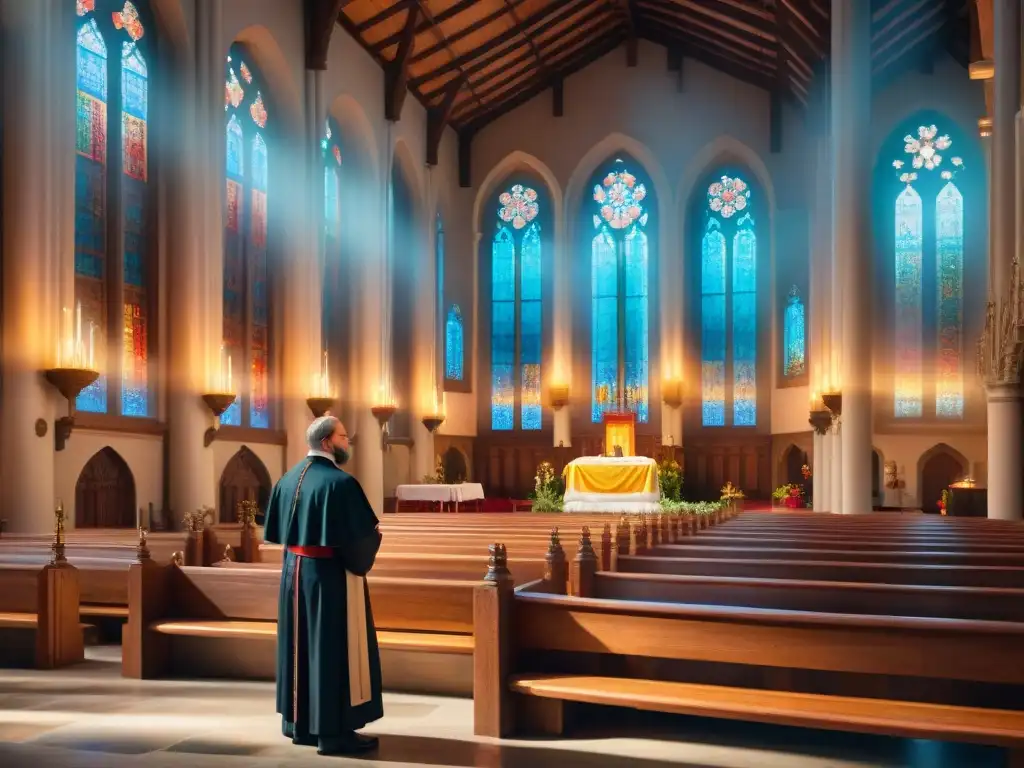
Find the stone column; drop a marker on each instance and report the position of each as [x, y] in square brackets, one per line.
[36, 242]
[195, 183]
[1005, 490]
[851, 121]
[425, 336]
[835, 453]
[302, 294]
[820, 320]
[819, 480]
[1005, 484]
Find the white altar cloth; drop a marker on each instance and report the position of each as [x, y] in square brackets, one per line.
[439, 493]
[583, 497]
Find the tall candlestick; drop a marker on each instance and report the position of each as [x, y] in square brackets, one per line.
[229, 390]
[78, 332]
[92, 346]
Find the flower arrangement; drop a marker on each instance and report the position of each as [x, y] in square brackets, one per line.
[789, 495]
[670, 479]
[437, 478]
[701, 508]
[547, 489]
[944, 502]
[806, 472]
[731, 493]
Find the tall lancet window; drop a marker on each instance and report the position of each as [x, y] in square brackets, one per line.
[246, 298]
[333, 290]
[113, 210]
[794, 336]
[928, 227]
[619, 306]
[516, 311]
[728, 306]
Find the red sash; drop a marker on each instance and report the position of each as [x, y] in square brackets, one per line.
[313, 551]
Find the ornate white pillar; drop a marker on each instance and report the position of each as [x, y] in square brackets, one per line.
[851, 116]
[821, 487]
[36, 243]
[1005, 483]
[193, 172]
[425, 385]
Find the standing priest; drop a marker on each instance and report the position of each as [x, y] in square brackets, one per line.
[328, 665]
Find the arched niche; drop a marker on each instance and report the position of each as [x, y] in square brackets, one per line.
[937, 468]
[455, 465]
[105, 492]
[791, 465]
[245, 478]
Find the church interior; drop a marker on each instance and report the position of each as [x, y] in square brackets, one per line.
[678, 343]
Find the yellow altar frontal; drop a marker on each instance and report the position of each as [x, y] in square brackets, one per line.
[619, 484]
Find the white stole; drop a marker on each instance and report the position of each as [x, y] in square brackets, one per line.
[360, 689]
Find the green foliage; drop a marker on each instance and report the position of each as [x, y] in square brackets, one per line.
[548, 489]
[670, 480]
[785, 491]
[690, 507]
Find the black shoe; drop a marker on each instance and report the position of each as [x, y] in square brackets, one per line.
[304, 740]
[352, 744]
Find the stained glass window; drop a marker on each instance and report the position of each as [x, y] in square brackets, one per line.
[794, 336]
[928, 224]
[516, 312]
[246, 303]
[728, 307]
[333, 297]
[453, 340]
[619, 295]
[107, 27]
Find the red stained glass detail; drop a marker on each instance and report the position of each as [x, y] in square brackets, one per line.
[258, 230]
[258, 111]
[92, 128]
[233, 92]
[337, 153]
[128, 20]
[134, 147]
[85, 6]
[234, 200]
[246, 74]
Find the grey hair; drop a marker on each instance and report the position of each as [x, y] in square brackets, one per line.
[321, 429]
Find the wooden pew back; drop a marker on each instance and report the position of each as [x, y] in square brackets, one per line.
[39, 623]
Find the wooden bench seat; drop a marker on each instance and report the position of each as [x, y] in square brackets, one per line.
[18, 620]
[843, 713]
[39, 619]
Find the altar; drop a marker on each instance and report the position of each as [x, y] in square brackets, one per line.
[612, 484]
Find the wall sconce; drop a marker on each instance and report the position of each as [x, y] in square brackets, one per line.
[820, 420]
[217, 402]
[834, 402]
[75, 370]
[559, 395]
[320, 406]
[432, 423]
[383, 414]
[323, 401]
[672, 393]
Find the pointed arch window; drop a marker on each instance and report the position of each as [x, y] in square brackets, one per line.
[453, 341]
[114, 213]
[246, 299]
[728, 292]
[928, 228]
[333, 291]
[516, 311]
[794, 337]
[619, 303]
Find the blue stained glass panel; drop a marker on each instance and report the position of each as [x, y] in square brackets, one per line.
[530, 328]
[503, 330]
[744, 324]
[453, 341]
[604, 324]
[908, 326]
[713, 326]
[332, 205]
[794, 346]
[234, 151]
[636, 353]
[949, 241]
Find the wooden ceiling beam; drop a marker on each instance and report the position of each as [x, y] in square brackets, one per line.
[782, 86]
[759, 41]
[438, 117]
[702, 15]
[425, 25]
[744, 68]
[571, 45]
[396, 73]
[378, 18]
[503, 39]
[721, 37]
[320, 20]
[899, 20]
[907, 48]
[504, 45]
[907, 30]
[599, 48]
[627, 10]
[805, 31]
[517, 22]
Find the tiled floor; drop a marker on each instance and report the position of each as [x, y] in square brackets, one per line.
[89, 716]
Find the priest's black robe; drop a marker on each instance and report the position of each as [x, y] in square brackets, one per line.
[317, 504]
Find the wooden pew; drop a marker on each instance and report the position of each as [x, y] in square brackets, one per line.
[39, 625]
[222, 622]
[892, 555]
[899, 676]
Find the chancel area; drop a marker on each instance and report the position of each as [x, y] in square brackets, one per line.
[677, 344]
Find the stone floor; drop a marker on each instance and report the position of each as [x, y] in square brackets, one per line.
[89, 716]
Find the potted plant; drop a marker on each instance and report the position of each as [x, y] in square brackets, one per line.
[547, 489]
[732, 498]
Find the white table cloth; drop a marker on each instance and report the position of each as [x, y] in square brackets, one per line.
[436, 493]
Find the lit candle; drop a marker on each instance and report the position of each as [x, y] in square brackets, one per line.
[228, 390]
[78, 334]
[92, 346]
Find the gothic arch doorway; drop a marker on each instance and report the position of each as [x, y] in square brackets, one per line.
[105, 493]
[454, 463]
[939, 466]
[793, 461]
[244, 478]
